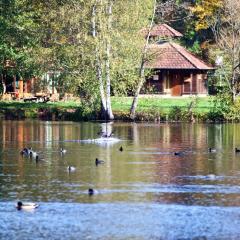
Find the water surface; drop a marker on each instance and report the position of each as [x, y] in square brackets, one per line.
[143, 192]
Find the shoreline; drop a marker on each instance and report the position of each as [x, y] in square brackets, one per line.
[73, 111]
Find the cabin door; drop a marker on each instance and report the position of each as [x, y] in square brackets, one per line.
[176, 84]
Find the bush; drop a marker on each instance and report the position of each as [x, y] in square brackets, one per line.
[175, 114]
[233, 113]
[222, 105]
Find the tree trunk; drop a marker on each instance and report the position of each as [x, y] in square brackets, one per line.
[3, 85]
[139, 87]
[109, 114]
[233, 87]
[142, 67]
[98, 64]
[108, 81]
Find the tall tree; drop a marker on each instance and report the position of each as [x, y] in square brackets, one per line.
[142, 65]
[101, 30]
[226, 29]
[116, 30]
[108, 109]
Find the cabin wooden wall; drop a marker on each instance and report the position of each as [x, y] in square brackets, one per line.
[179, 82]
[195, 83]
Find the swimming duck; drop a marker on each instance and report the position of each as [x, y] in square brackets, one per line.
[237, 150]
[26, 206]
[33, 154]
[212, 150]
[178, 153]
[63, 150]
[121, 149]
[90, 191]
[71, 168]
[26, 151]
[97, 161]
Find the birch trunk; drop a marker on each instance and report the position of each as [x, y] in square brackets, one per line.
[98, 63]
[142, 67]
[109, 114]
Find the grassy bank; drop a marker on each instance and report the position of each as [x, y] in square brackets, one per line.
[164, 104]
[48, 111]
[165, 109]
[149, 109]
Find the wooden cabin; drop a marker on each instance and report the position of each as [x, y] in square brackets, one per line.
[15, 87]
[174, 70]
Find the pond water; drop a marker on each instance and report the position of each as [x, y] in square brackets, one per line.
[142, 192]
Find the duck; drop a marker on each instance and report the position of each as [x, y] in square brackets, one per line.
[33, 154]
[71, 169]
[178, 153]
[237, 150]
[121, 149]
[212, 150]
[26, 151]
[91, 191]
[26, 206]
[63, 150]
[97, 161]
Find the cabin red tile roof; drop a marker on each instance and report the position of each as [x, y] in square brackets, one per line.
[168, 55]
[163, 30]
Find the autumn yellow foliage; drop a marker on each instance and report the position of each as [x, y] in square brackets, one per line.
[205, 12]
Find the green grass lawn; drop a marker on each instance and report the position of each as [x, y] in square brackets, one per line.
[203, 104]
[33, 105]
[123, 104]
[147, 106]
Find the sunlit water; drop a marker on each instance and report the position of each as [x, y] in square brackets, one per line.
[142, 192]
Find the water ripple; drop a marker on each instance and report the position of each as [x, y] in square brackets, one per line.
[130, 221]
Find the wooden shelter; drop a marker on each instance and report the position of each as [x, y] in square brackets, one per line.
[176, 71]
[33, 88]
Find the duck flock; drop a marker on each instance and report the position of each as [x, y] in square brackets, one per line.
[29, 152]
[34, 155]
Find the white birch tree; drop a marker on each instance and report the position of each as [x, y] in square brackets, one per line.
[142, 65]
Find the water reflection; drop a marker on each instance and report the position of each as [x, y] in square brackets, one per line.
[147, 169]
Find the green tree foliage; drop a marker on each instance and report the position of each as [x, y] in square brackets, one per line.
[68, 43]
[56, 36]
[18, 30]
